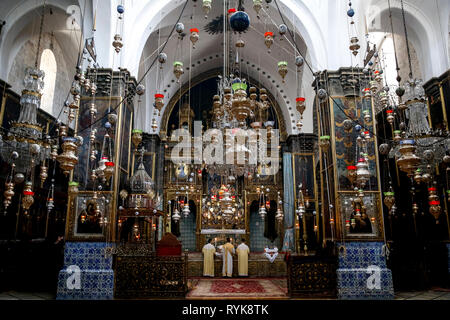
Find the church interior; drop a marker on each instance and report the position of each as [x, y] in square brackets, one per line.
[210, 149]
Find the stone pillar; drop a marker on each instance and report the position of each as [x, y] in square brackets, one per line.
[87, 273]
[359, 236]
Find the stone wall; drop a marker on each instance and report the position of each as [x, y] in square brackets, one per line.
[26, 58]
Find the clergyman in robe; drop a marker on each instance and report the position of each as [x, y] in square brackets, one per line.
[208, 259]
[242, 253]
[227, 252]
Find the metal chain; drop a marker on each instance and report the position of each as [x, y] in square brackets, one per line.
[40, 36]
[393, 40]
[407, 42]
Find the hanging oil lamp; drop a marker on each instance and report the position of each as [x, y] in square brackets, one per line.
[159, 101]
[367, 117]
[300, 105]
[194, 37]
[351, 174]
[434, 203]
[117, 43]
[373, 86]
[408, 161]
[257, 5]
[282, 69]
[354, 45]
[389, 199]
[8, 194]
[67, 160]
[73, 188]
[397, 136]
[43, 174]
[324, 143]
[268, 39]
[390, 117]
[109, 170]
[206, 7]
[178, 70]
[418, 176]
[362, 172]
[27, 199]
[136, 137]
[154, 124]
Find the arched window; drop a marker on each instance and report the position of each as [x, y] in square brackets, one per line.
[388, 53]
[48, 65]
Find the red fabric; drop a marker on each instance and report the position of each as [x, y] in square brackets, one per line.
[268, 33]
[194, 30]
[237, 286]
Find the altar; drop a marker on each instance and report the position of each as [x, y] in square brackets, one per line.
[258, 266]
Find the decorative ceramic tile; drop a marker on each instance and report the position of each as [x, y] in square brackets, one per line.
[361, 255]
[96, 275]
[188, 233]
[88, 255]
[353, 273]
[94, 285]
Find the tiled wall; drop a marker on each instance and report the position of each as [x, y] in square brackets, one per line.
[353, 273]
[187, 231]
[96, 275]
[257, 240]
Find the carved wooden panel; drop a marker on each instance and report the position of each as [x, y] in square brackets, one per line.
[149, 276]
[312, 276]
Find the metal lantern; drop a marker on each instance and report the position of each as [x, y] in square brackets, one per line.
[186, 211]
[389, 199]
[206, 7]
[68, 159]
[408, 162]
[351, 174]
[8, 194]
[354, 45]
[117, 43]
[390, 117]
[176, 215]
[282, 69]
[300, 104]
[257, 5]
[194, 37]
[73, 188]
[178, 70]
[136, 137]
[28, 196]
[268, 39]
[434, 203]
[159, 101]
[324, 142]
[362, 172]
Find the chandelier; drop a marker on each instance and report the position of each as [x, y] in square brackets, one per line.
[25, 135]
[233, 109]
[223, 206]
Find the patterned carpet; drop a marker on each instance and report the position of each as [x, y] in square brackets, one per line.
[237, 288]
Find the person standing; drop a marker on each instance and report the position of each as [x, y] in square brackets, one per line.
[243, 252]
[208, 259]
[227, 252]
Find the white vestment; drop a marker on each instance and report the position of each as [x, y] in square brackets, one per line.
[226, 251]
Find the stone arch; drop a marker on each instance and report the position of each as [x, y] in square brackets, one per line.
[162, 16]
[19, 45]
[208, 75]
[422, 33]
